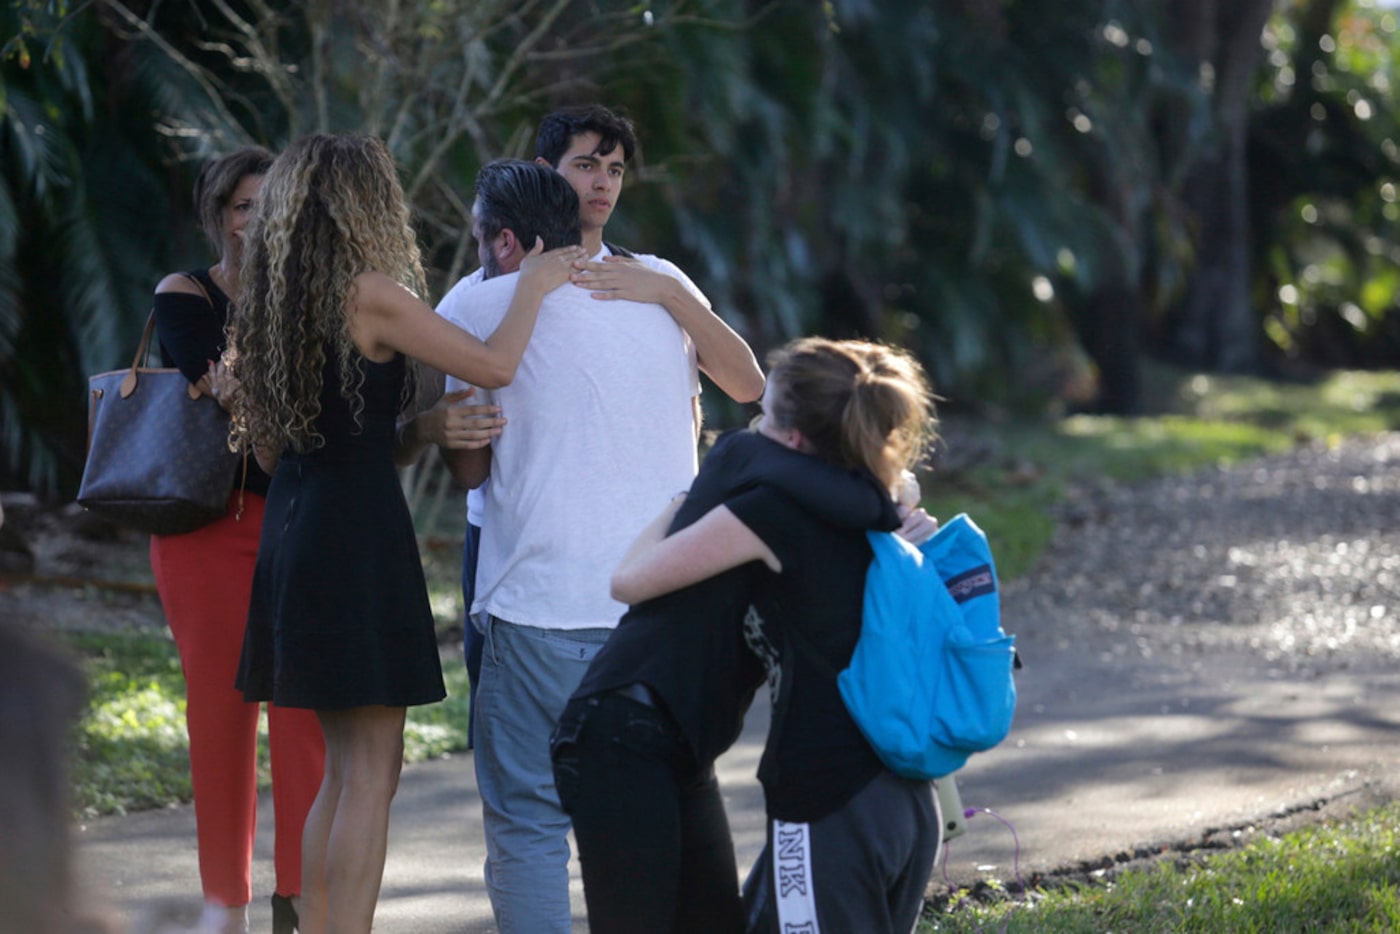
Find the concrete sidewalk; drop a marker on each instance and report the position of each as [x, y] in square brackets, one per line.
[433, 878]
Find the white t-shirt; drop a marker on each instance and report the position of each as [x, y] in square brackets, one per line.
[475, 497]
[600, 436]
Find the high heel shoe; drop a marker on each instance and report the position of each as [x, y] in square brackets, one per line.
[284, 915]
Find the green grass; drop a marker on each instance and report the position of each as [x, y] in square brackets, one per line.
[1332, 877]
[131, 749]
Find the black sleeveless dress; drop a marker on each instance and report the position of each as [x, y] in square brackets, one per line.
[339, 614]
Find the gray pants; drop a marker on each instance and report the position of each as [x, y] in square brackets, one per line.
[527, 675]
[862, 868]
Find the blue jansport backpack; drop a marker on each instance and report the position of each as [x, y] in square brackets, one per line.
[931, 681]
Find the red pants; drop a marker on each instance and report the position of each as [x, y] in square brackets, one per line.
[204, 578]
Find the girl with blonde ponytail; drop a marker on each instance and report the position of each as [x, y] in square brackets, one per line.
[767, 555]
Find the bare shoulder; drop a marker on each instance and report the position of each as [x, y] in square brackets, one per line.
[373, 285]
[384, 315]
[378, 293]
[178, 282]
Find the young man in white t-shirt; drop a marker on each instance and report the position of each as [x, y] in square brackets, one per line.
[590, 146]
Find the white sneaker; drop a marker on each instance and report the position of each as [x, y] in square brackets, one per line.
[220, 920]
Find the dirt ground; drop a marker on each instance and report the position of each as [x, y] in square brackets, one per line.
[66, 569]
[61, 568]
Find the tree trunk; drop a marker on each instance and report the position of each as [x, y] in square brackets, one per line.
[1110, 318]
[1109, 322]
[1217, 327]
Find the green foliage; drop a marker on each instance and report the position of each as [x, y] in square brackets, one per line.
[98, 140]
[1323, 168]
[1014, 497]
[954, 178]
[1343, 876]
[906, 173]
[1341, 403]
[983, 183]
[82, 189]
[435, 730]
[1018, 520]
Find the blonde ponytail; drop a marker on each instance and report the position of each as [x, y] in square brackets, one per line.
[858, 404]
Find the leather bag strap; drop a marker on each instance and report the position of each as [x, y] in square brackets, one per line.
[200, 285]
[143, 350]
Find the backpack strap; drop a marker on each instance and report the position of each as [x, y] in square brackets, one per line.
[619, 250]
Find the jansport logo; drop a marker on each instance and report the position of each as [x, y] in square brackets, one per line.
[976, 582]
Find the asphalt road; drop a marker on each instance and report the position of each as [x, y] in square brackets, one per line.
[1105, 760]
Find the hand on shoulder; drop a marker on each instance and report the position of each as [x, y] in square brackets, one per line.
[547, 270]
[627, 278]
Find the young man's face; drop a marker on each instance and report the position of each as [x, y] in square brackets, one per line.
[596, 178]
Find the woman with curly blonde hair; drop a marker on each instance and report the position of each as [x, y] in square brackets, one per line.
[339, 620]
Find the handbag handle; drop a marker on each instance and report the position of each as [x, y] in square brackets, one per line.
[143, 349]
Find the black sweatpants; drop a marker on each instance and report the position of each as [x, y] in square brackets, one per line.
[862, 868]
[653, 839]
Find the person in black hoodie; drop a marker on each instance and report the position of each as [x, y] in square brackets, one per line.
[635, 749]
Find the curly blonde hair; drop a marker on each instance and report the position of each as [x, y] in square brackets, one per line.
[858, 404]
[330, 207]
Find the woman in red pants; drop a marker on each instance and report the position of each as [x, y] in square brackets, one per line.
[205, 577]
